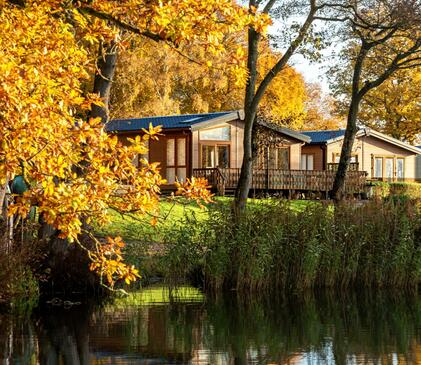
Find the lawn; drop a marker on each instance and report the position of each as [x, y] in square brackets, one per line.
[137, 228]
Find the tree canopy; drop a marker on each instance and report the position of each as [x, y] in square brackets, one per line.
[380, 38]
[154, 80]
[73, 168]
[394, 107]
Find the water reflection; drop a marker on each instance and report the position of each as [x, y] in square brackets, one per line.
[156, 328]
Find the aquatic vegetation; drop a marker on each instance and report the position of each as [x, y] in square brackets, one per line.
[364, 244]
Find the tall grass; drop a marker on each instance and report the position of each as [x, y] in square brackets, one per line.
[372, 244]
[19, 288]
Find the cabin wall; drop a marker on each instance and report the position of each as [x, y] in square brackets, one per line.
[237, 150]
[158, 149]
[367, 147]
[317, 152]
[235, 143]
[418, 168]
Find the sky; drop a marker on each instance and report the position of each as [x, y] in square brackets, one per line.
[311, 71]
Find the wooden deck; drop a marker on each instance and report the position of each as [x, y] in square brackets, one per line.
[226, 179]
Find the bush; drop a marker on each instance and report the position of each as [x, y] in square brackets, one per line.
[19, 288]
[371, 244]
[411, 191]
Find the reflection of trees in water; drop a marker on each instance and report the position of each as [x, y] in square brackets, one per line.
[353, 329]
[58, 337]
[371, 329]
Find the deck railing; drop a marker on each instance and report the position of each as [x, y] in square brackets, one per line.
[272, 179]
[353, 166]
[215, 178]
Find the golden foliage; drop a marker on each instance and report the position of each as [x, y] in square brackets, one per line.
[320, 110]
[284, 99]
[73, 168]
[394, 107]
[154, 80]
[195, 188]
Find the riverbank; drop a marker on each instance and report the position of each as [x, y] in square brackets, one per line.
[279, 245]
[283, 245]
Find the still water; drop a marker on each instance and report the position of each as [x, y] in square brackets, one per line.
[155, 326]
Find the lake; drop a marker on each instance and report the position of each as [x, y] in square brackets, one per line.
[183, 326]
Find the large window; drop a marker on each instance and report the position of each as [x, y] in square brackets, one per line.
[400, 168]
[337, 157]
[279, 158]
[215, 155]
[176, 159]
[378, 167]
[307, 162]
[216, 134]
[388, 168]
[215, 147]
[276, 158]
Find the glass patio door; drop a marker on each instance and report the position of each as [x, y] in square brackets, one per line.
[389, 168]
[176, 159]
[215, 156]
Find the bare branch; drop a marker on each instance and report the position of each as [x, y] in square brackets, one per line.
[268, 6]
[287, 55]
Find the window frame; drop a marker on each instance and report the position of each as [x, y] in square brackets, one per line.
[307, 154]
[384, 158]
[214, 145]
[216, 140]
[176, 166]
[338, 154]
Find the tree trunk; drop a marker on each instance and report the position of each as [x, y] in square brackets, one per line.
[250, 109]
[69, 264]
[254, 96]
[104, 75]
[351, 126]
[351, 131]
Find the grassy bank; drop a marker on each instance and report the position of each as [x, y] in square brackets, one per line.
[137, 229]
[372, 244]
[147, 246]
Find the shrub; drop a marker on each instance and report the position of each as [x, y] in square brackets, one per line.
[371, 244]
[411, 191]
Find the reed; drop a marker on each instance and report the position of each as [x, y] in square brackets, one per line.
[370, 244]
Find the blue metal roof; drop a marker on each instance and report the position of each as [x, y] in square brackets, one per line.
[167, 122]
[323, 136]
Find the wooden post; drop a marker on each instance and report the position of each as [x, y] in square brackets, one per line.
[267, 170]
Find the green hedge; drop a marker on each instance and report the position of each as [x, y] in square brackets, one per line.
[400, 189]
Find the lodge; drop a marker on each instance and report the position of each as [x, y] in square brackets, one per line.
[211, 146]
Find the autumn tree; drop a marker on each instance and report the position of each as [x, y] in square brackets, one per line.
[380, 38]
[155, 80]
[320, 110]
[394, 107]
[73, 169]
[295, 35]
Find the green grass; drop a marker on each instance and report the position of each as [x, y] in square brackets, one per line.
[137, 228]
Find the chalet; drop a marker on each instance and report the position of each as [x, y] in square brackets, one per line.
[383, 158]
[211, 146]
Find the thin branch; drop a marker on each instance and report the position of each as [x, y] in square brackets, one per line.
[285, 58]
[268, 6]
[120, 24]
